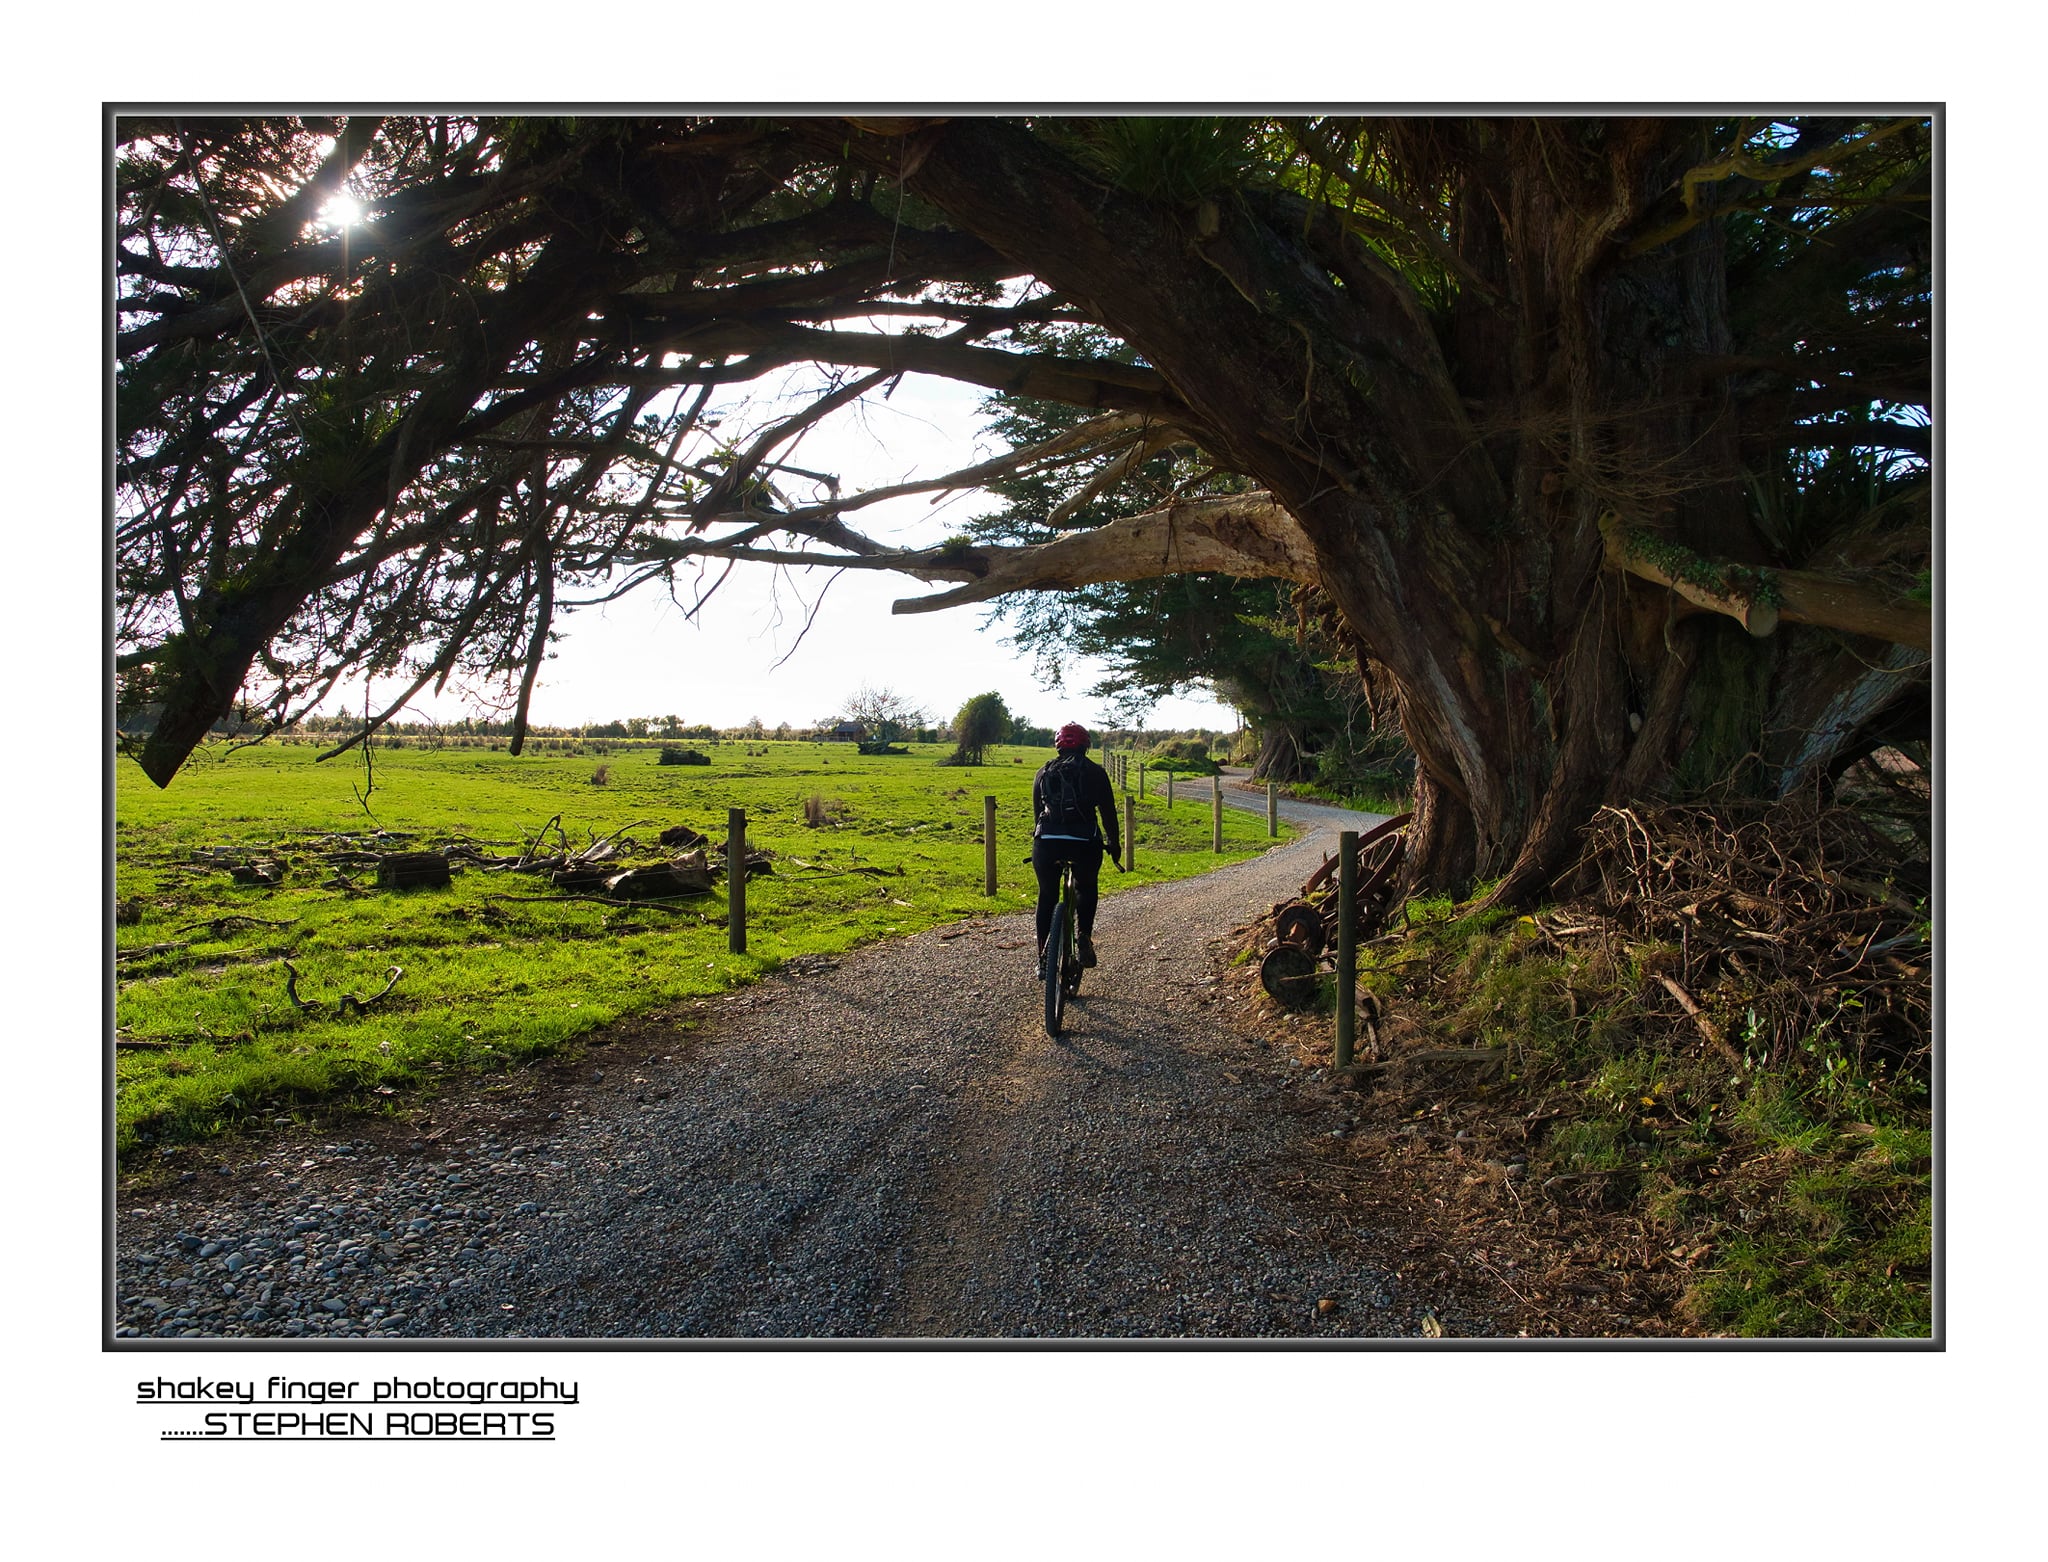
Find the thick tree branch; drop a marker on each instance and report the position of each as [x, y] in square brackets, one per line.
[1245, 535]
[1760, 599]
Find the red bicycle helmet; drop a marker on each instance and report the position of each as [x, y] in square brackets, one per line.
[1072, 736]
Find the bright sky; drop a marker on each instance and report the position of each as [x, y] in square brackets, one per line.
[742, 658]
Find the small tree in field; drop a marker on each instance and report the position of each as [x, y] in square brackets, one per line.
[886, 714]
[983, 720]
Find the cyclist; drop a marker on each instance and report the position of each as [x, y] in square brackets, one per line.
[1069, 795]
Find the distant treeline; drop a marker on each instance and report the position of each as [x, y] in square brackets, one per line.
[655, 729]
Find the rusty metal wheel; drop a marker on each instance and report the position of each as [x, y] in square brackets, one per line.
[1381, 852]
[1289, 974]
[1301, 924]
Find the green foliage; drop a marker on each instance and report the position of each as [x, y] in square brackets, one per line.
[1178, 160]
[492, 980]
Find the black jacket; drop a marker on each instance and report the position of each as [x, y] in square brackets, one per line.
[1097, 795]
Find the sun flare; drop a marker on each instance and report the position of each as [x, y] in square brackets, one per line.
[342, 211]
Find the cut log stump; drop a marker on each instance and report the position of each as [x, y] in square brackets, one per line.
[412, 870]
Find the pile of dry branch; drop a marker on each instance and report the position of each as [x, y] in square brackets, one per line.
[616, 868]
[1769, 924]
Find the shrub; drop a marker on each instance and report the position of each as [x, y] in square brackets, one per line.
[601, 776]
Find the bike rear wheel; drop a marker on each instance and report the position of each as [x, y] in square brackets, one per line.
[1055, 970]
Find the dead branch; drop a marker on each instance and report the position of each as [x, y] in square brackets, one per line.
[540, 835]
[349, 1001]
[601, 900]
[346, 1003]
[291, 989]
[148, 950]
[218, 925]
[1700, 1018]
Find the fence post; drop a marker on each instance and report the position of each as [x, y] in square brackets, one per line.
[1130, 832]
[1169, 791]
[1347, 945]
[1216, 812]
[988, 846]
[736, 880]
[1272, 810]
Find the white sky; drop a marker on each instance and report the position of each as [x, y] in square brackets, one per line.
[643, 656]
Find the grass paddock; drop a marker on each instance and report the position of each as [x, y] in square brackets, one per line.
[209, 1040]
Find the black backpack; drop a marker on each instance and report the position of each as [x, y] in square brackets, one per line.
[1063, 808]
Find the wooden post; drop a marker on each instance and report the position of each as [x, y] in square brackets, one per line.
[1347, 945]
[736, 880]
[1272, 810]
[1169, 791]
[988, 846]
[1216, 813]
[1130, 832]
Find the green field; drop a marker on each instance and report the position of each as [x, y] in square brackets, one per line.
[209, 1040]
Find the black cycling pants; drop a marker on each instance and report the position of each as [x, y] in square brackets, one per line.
[1046, 857]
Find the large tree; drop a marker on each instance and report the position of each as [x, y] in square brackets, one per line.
[1606, 438]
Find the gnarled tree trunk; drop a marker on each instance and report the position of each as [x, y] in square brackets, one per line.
[1452, 481]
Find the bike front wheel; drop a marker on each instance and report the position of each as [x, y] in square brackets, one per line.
[1055, 972]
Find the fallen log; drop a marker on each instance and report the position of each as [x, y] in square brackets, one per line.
[664, 881]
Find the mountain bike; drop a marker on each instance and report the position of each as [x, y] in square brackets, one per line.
[1060, 964]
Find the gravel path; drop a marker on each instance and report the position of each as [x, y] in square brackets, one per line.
[885, 1145]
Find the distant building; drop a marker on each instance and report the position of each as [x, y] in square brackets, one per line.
[847, 732]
